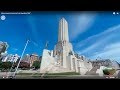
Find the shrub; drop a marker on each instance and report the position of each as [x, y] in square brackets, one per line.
[109, 71]
[36, 64]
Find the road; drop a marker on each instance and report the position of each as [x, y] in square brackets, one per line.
[3, 74]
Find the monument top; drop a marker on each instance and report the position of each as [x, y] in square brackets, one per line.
[63, 30]
[63, 19]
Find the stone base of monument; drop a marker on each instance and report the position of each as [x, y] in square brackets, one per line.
[58, 69]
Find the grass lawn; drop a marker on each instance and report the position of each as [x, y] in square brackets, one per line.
[56, 75]
[65, 73]
[47, 75]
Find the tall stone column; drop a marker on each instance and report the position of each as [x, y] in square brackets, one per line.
[63, 46]
[63, 31]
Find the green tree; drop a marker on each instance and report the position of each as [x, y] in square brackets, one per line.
[109, 71]
[6, 65]
[36, 64]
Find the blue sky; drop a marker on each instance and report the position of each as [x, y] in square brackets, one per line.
[93, 34]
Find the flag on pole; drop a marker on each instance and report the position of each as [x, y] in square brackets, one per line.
[46, 46]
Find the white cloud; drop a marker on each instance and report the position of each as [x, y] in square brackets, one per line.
[84, 22]
[15, 49]
[112, 51]
[113, 46]
[100, 39]
[105, 44]
[100, 36]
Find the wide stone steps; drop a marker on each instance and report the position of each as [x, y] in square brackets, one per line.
[93, 71]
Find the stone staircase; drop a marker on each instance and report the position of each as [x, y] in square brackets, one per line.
[93, 71]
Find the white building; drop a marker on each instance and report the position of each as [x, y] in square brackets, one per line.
[10, 58]
[3, 47]
[63, 58]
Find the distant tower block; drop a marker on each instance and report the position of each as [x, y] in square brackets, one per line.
[63, 31]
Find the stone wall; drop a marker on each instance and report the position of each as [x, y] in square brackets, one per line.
[84, 66]
[47, 60]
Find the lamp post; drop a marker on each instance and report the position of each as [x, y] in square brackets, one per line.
[21, 57]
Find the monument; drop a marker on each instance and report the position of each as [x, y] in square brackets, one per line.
[63, 58]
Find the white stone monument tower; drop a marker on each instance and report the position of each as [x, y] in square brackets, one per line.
[63, 46]
[63, 58]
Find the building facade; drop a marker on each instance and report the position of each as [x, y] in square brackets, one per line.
[26, 58]
[106, 63]
[10, 58]
[33, 57]
[3, 47]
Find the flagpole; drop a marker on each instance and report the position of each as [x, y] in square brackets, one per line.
[21, 57]
[46, 46]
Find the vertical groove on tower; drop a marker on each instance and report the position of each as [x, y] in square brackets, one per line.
[63, 29]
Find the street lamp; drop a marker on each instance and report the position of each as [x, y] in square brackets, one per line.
[21, 57]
